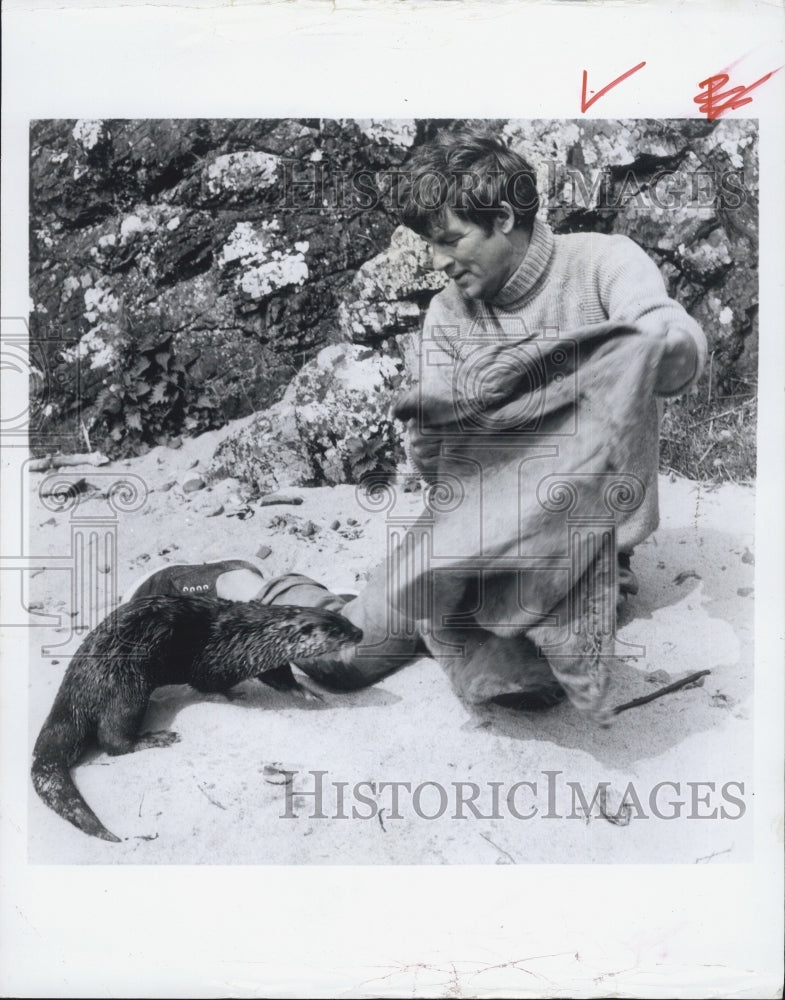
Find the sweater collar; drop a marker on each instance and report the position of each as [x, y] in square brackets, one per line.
[530, 270]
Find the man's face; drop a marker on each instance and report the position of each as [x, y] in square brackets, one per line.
[478, 262]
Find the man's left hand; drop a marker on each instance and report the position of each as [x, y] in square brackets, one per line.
[678, 362]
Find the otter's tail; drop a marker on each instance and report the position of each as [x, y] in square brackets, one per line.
[52, 781]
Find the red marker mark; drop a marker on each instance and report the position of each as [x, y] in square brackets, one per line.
[585, 105]
[716, 101]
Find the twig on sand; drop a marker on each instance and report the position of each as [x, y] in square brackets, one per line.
[55, 461]
[689, 679]
[210, 798]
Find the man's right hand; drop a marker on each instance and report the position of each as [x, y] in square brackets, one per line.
[424, 449]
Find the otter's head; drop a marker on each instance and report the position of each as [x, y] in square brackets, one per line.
[316, 632]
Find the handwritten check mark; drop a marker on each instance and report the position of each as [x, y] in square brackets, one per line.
[586, 104]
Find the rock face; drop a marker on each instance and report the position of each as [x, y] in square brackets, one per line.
[389, 291]
[236, 238]
[245, 247]
[332, 425]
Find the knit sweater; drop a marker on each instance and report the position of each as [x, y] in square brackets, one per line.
[569, 281]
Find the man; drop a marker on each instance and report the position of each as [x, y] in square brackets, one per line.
[517, 294]
[475, 201]
[515, 283]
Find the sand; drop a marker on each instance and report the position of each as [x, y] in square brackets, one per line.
[222, 793]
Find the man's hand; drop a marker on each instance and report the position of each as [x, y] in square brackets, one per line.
[424, 449]
[678, 362]
[407, 406]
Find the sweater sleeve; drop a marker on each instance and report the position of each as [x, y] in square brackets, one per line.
[633, 291]
[412, 345]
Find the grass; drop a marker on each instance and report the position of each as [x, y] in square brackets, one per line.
[712, 440]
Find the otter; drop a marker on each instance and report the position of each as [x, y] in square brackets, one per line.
[207, 642]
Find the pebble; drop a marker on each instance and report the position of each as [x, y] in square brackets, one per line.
[215, 511]
[277, 774]
[273, 498]
[263, 552]
[335, 525]
[193, 484]
[658, 677]
[167, 486]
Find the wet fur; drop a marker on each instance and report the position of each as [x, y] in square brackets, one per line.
[207, 642]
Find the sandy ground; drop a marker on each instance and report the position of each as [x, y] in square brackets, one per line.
[219, 795]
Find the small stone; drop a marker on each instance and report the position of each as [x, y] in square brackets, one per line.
[745, 591]
[215, 511]
[36, 606]
[335, 525]
[309, 529]
[277, 774]
[270, 499]
[51, 520]
[193, 484]
[103, 567]
[194, 464]
[167, 486]
[175, 442]
[263, 552]
[657, 677]
[351, 520]
[748, 557]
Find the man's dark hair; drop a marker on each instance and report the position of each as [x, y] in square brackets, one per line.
[470, 171]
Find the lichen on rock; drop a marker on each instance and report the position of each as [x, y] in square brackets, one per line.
[332, 426]
[261, 266]
[245, 171]
[383, 299]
